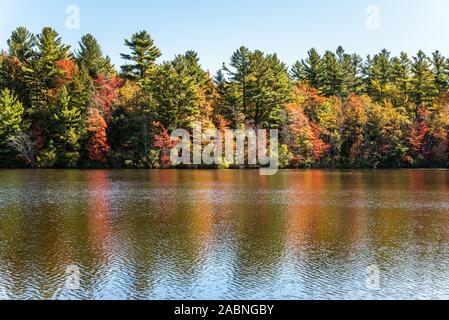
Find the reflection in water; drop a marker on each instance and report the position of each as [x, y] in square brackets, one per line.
[224, 234]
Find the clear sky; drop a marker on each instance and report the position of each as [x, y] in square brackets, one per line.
[216, 28]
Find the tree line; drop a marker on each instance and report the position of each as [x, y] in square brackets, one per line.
[68, 109]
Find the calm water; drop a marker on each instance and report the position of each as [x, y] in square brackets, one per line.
[224, 234]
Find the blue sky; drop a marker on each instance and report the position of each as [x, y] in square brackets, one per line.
[216, 28]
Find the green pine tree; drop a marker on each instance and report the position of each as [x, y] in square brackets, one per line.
[378, 75]
[66, 130]
[90, 57]
[11, 124]
[142, 59]
[314, 69]
[180, 92]
[259, 86]
[11, 112]
[401, 78]
[423, 80]
[43, 73]
[334, 76]
[440, 66]
[297, 71]
[22, 44]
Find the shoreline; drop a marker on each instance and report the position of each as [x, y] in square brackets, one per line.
[229, 169]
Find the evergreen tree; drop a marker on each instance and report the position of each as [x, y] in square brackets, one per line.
[352, 64]
[142, 59]
[11, 112]
[219, 78]
[314, 69]
[179, 95]
[11, 124]
[334, 76]
[423, 80]
[239, 74]
[401, 77]
[259, 86]
[297, 71]
[440, 65]
[66, 130]
[139, 68]
[228, 106]
[44, 73]
[378, 74]
[270, 91]
[50, 51]
[22, 44]
[17, 63]
[90, 57]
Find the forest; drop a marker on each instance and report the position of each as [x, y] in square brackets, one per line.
[73, 109]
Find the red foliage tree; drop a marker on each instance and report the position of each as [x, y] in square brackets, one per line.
[418, 134]
[164, 143]
[12, 66]
[107, 94]
[97, 147]
[320, 148]
[38, 136]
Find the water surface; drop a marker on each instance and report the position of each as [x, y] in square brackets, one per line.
[224, 234]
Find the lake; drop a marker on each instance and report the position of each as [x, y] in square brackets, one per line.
[224, 234]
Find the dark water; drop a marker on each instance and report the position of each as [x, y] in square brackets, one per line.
[224, 234]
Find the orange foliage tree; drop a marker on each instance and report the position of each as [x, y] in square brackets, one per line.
[97, 147]
[68, 70]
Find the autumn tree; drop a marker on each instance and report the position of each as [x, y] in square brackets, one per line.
[385, 136]
[299, 136]
[438, 151]
[354, 130]
[107, 94]
[97, 146]
[417, 138]
[60, 108]
[164, 144]
[303, 140]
